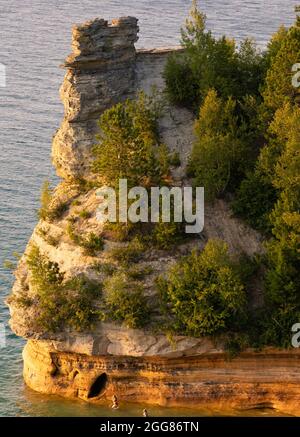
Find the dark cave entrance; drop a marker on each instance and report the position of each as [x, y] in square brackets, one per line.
[98, 386]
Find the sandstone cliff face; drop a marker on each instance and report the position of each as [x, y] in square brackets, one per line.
[268, 379]
[104, 69]
[100, 73]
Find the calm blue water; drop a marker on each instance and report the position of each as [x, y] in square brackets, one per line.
[34, 39]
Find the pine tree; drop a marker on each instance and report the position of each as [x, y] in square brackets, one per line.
[218, 151]
[282, 285]
[128, 145]
[285, 52]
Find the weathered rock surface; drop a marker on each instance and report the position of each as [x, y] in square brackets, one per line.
[105, 69]
[137, 365]
[109, 339]
[100, 73]
[253, 380]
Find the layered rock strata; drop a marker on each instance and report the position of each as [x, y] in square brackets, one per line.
[268, 379]
[100, 73]
[137, 365]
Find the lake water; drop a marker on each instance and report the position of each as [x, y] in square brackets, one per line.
[35, 37]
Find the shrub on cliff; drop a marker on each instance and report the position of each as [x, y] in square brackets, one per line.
[203, 293]
[218, 154]
[254, 201]
[120, 231]
[128, 146]
[285, 52]
[128, 254]
[181, 85]
[91, 242]
[282, 284]
[125, 301]
[46, 197]
[166, 235]
[209, 62]
[60, 303]
[51, 209]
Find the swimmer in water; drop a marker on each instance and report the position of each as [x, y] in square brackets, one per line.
[115, 404]
[145, 413]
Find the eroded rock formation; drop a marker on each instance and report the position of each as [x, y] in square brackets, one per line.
[100, 73]
[269, 379]
[138, 365]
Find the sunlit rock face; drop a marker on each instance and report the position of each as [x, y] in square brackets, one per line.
[137, 365]
[100, 73]
[104, 69]
[268, 379]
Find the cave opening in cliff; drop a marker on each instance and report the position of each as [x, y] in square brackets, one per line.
[98, 386]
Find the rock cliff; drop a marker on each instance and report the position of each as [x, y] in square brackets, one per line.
[138, 365]
[100, 73]
[268, 379]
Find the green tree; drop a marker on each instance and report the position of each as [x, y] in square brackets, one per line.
[284, 250]
[208, 62]
[282, 284]
[216, 157]
[210, 59]
[52, 208]
[259, 191]
[128, 146]
[46, 198]
[125, 301]
[181, 85]
[250, 70]
[274, 45]
[60, 303]
[203, 292]
[254, 201]
[283, 128]
[284, 52]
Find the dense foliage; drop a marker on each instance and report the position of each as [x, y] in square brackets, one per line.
[247, 147]
[128, 146]
[219, 154]
[254, 201]
[285, 52]
[247, 144]
[61, 303]
[51, 208]
[208, 62]
[282, 283]
[203, 292]
[125, 300]
[222, 83]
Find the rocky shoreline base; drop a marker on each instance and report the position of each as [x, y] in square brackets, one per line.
[268, 379]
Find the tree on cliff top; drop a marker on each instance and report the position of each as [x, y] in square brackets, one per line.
[284, 54]
[128, 145]
[203, 293]
[209, 62]
[218, 153]
[280, 164]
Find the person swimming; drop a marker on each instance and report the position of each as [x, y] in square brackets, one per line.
[115, 404]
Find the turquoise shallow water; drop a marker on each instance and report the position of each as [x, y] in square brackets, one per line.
[35, 38]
